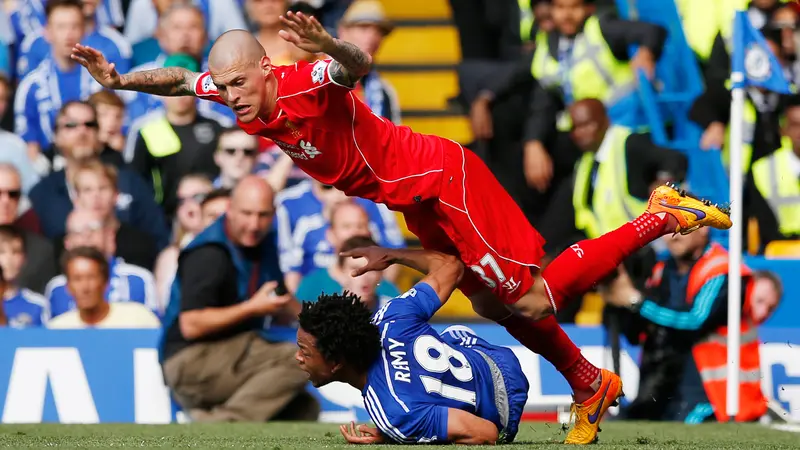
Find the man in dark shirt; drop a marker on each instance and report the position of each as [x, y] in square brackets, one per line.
[175, 142]
[645, 167]
[214, 359]
[77, 139]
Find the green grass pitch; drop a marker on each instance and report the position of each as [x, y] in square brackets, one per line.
[291, 436]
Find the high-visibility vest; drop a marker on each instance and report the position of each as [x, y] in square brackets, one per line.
[594, 71]
[748, 131]
[780, 187]
[525, 19]
[611, 205]
[703, 20]
[711, 353]
[161, 141]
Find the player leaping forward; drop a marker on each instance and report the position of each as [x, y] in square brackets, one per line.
[418, 386]
[448, 196]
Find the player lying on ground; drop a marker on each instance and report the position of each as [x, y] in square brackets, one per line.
[419, 386]
[448, 196]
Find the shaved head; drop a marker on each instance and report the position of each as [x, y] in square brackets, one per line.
[242, 73]
[589, 123]
[251, 211]
[235, 47]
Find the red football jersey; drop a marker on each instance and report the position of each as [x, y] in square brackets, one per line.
[336, 139]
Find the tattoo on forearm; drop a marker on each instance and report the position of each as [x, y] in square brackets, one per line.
[350, 63]
[171, 81]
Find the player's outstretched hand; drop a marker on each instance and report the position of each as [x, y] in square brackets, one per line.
[361, 434]
[305, 32]
[378, 259]
[95, 62]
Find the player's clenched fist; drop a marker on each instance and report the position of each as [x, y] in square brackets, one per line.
[264, 302]
[101, 70]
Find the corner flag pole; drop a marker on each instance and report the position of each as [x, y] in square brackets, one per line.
[735, 247]
[735, 234]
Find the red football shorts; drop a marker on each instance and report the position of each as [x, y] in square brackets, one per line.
[478, 221]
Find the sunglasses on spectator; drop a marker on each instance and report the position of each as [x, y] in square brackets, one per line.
[13, 194]
[196, 198]
[72, 125]
[326, 187]
[248, 152]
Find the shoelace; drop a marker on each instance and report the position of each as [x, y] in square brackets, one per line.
[577, 434]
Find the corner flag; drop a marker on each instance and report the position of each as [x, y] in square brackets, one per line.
[754, 59]
[753, 64]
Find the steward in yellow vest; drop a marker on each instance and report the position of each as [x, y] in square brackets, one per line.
[761, 126]
[613, 178]
[686, 307]
[167, 145]
[586, 56]
[773, 189]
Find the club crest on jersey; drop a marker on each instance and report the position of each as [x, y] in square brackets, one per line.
[318, 73]
[293, 129]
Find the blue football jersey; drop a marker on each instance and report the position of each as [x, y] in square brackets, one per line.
[127, 283]
[35, 48]
[26, 309]
[419, 375]
[301, 229]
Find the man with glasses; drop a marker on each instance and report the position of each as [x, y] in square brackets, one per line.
[236, 157]
[168, 144]
[40, 264]
[77, 140]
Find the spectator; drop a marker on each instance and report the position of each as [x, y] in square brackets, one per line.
[265, 16]
[214, 360]
[365, 25]
[77, 139]
[293, 53]
[35, 47]
[303, 213]
[3, 318]
[773, 185]
[28, 17]
[370, 287]
[126, 282]
[15, 151]
[215, 205]
[23, 307]
[613, 179]
[40, 258]
[110, 119]
[96, 190]
[178, 142]
[235, 156]
[181, 31]
[188, 223]
[684, 360]
[762, 112]
[219, 15]
[55, 82]
[87, 274]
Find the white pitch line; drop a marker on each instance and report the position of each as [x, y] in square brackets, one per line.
[792, 428]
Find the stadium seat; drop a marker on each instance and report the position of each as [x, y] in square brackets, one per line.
[591, 312]
[426, 44]
[783, 250]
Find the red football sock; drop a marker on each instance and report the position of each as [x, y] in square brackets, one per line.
[548, 339]
[573, 272]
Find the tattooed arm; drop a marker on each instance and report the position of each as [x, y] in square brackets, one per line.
[349, 62]
[170, 81]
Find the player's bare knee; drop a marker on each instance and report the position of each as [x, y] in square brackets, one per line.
[535, 305]
[488, 306]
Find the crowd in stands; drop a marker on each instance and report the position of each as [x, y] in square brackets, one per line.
[128, 173]
[103, 188]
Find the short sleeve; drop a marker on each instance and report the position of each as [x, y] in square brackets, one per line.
[310, 92]
[423, 424]
[205, 88]
[419, 303]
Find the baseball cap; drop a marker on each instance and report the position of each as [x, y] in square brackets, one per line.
[182, 60]
[367, 12]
